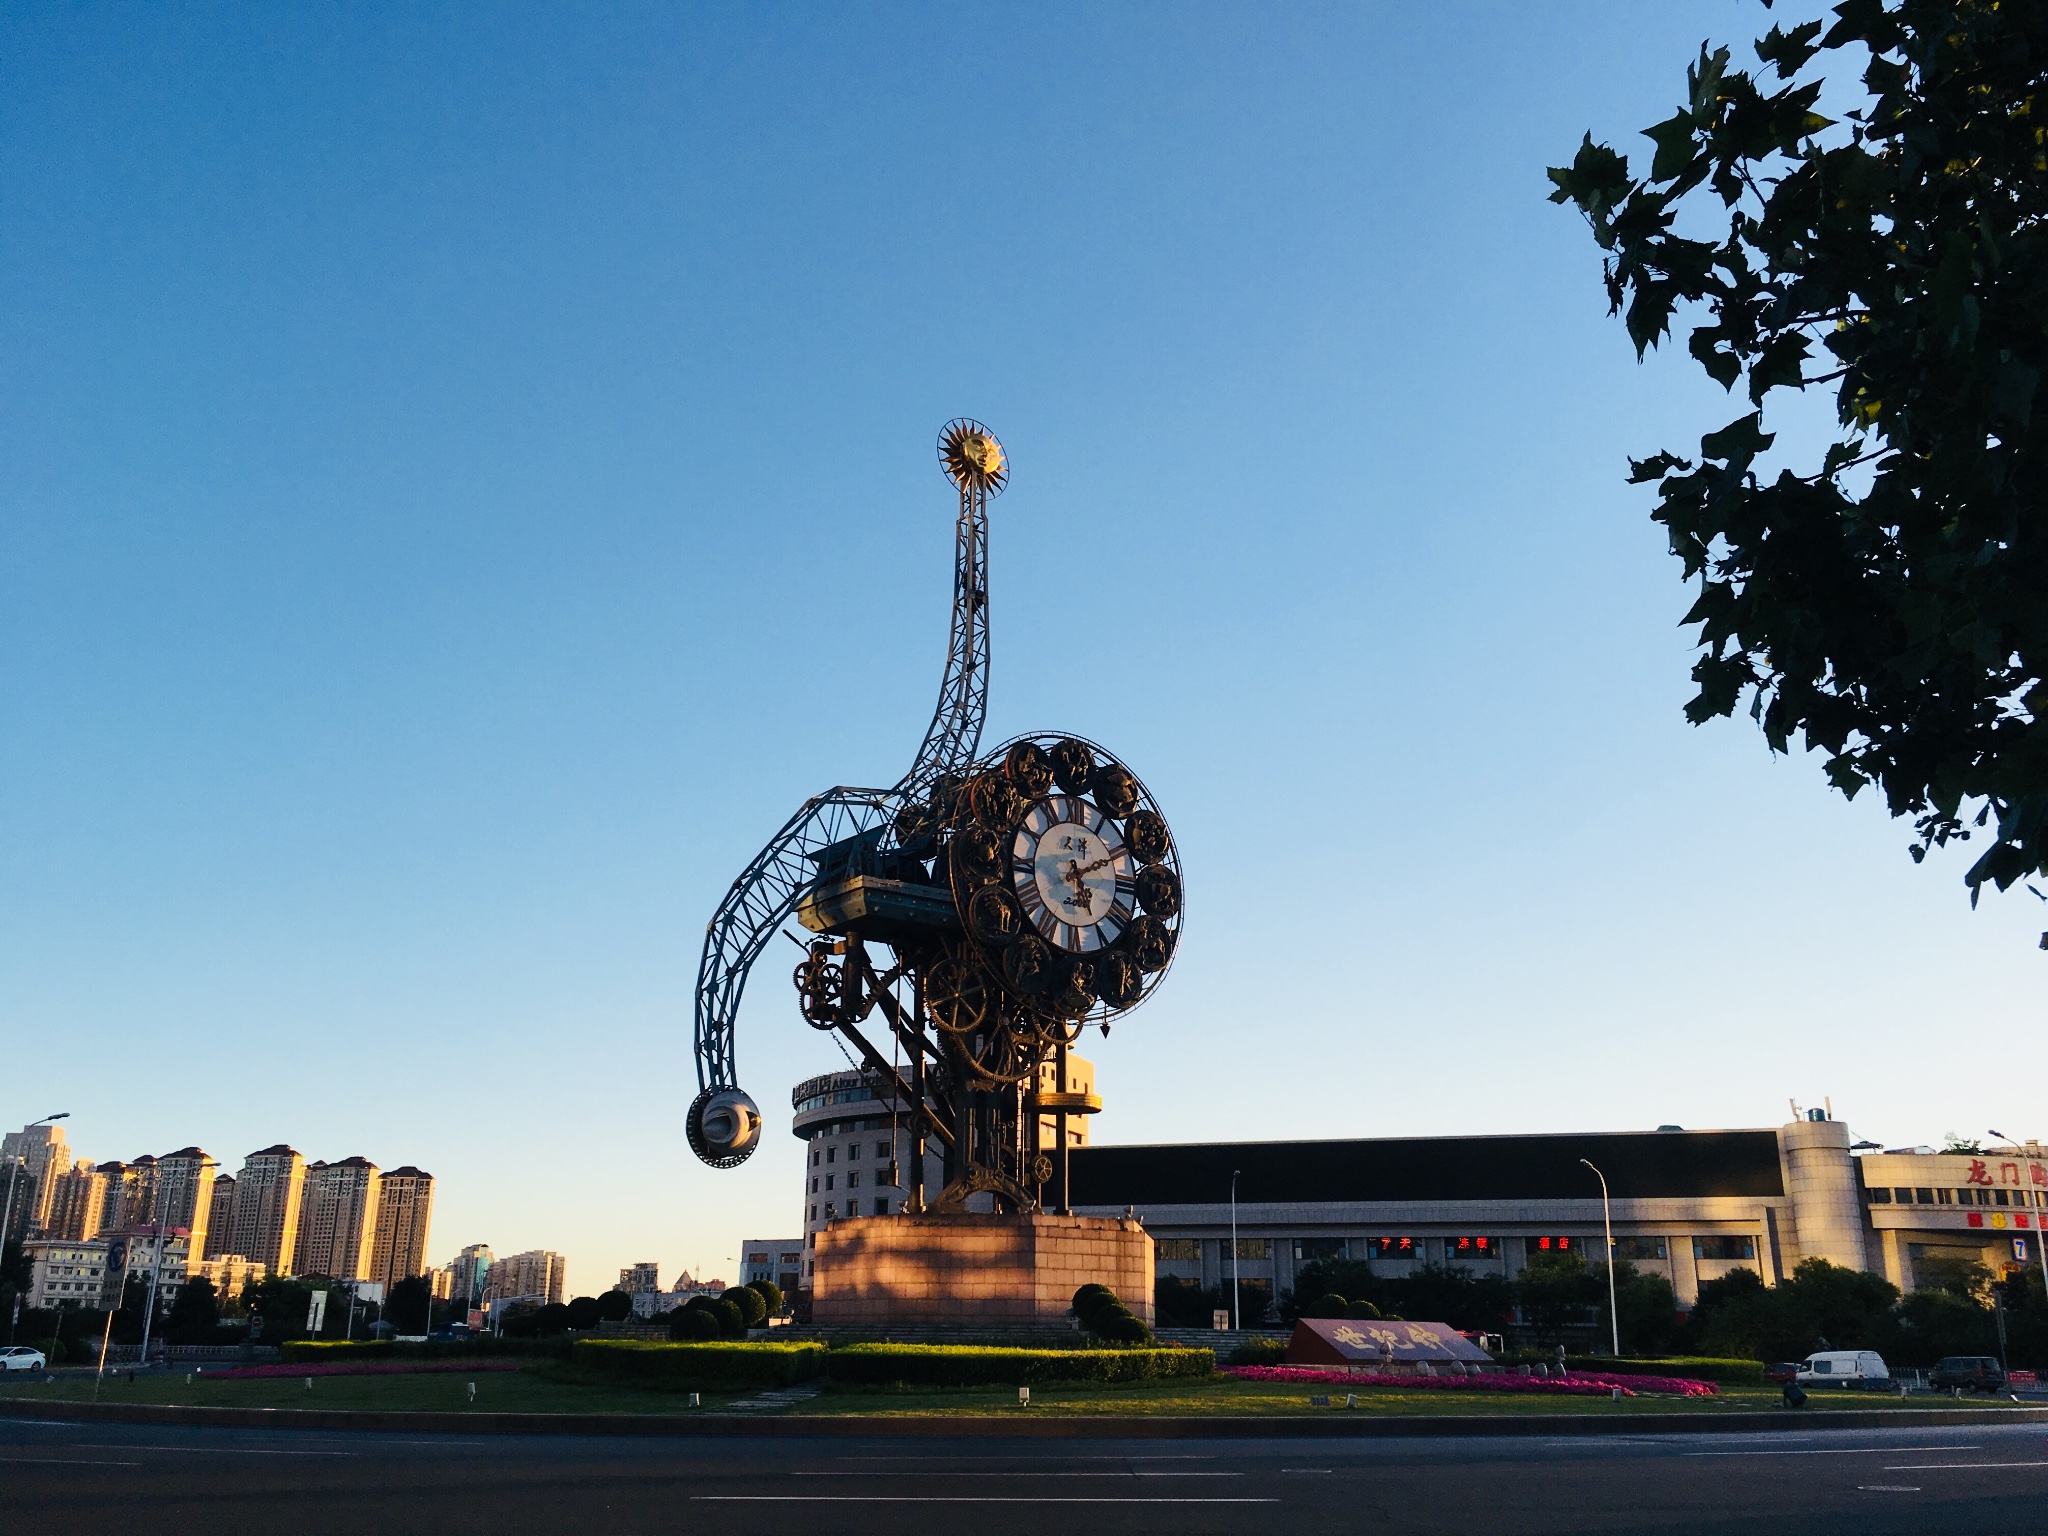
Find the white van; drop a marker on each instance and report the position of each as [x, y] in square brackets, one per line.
[1845, 1368]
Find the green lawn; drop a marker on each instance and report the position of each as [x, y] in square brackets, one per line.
[542, 1390]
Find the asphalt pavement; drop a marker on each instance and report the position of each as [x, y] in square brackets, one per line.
[143, 1479]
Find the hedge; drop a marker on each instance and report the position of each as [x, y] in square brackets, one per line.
[715, 1367]
[1734, 1373]
[966, 1365]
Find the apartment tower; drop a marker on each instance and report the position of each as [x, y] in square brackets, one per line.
[337, 1220]
[263, 1221]
[405, 1205]
[184, 1192]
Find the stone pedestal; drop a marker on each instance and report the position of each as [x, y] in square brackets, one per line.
[967, 1271]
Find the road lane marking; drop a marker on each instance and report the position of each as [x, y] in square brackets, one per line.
[999, 1456]
[207, 1450]
[1887, 1488]
[937, 1498]
[1961, 1466]
[51, 1461]
[1844, 1450]
[1021, 1474]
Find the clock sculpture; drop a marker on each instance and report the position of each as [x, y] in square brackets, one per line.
[975, 916]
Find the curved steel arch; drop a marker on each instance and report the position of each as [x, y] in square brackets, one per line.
[777, 877]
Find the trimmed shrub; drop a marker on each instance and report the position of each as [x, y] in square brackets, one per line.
[1326, 1306]
[1103, 1315]
[692, 1323]
[1362, 1311]
[1259, 1352]
[584, 1313]
[753, 1310]
[958, 1365]
[770, 1294]
[615, 1306]
[553, 1318]
[710, 1367]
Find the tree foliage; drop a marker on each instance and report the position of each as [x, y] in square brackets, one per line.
[1890, 606]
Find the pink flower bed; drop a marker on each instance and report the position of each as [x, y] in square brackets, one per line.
[1579, 1383]
[364, 1368]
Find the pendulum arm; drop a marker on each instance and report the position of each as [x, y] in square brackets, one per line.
[723, 1124]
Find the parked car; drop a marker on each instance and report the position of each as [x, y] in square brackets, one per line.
[19, 1357]
[1973, 1373]
[1845, 1368]
[1781, 1371]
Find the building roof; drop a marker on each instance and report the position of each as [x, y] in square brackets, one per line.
[1638, 1165]
[407, 1172]
[280, 1150]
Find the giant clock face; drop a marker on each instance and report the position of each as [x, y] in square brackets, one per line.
[1072, 874]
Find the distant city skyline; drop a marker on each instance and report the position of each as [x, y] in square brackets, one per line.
[470, 472]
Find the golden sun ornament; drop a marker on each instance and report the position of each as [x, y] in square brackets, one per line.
[973, 458]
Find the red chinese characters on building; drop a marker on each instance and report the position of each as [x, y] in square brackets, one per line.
[1979, 1174]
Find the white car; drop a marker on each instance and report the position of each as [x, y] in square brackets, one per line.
[1845, 1368]
[19, 1357]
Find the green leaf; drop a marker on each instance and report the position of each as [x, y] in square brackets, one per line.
[1677, 146]
[1789, 50]
[1739, 442]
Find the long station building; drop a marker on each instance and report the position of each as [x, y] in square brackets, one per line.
[1690, 1205]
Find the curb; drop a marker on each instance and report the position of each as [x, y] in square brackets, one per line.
[838, 1427]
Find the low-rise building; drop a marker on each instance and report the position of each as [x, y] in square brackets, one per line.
[65, 1272]
[778, 1260]
[1689, 1205]
[231, 1274]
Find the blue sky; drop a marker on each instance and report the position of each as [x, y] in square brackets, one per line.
[469, 475]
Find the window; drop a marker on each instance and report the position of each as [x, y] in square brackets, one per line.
[1463, 1250]
[1998, 1197]
[881, 1149]
[1904, 1196]
[1557, 1245]
[791, 1258]
[853, 1179]
[830, 1212]
[831, 1154]
[1309, 1249]
[881, 1207]
[828, 1180]
[814, 1186]
[1255, 1247]
[814, 1157]
[1983, 1197]
[1880, 1197]
[1724, 1247]
[814, 1212]
[1926, 1196]
[853, 1153]
[757, 1258]
[1178, 1250]
[1390, 1247]
[1639, 1248]
[1945, 1197]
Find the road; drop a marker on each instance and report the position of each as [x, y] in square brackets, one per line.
[141, 1480]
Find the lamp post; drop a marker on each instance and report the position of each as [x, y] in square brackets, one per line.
[1607, 1215]
[2040, 1225]
[1236, 1316]
[13, 1169]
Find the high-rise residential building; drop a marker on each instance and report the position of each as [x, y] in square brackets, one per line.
[76, 1203]
[184, 1192]
[218, 1216]
[337, 1220]
[263, 1222]
[469, 1271]
[640, 1277]
[115, 1194]
[138, 1195]
[405, 1206]
[441, 1284]
[39, 1156]
[537, 1272]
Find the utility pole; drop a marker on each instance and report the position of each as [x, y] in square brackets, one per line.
[2040, 1224]
[1607, 1213]
[1236, 1316]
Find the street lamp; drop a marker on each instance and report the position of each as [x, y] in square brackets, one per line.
[1607, 1213]
[2040, 1224]
[14, 1167]
[1236, 1316]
